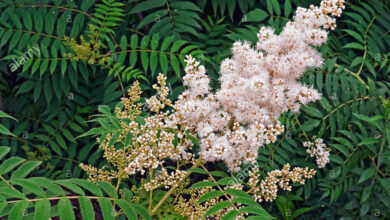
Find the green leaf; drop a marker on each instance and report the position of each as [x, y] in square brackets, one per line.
[4, 130]
[126, 208]
[47, 90]
[9, 164]
[23, 41]
[276, 7]
[231, 215]
[219, 173]
[270, 7]
[287, 8]
[49, 23]
[366, 194]
[354, 45]
[15, 19]
[35, 66]
[65, 209]
[27, 65]
[86, 208]
[95, 190]
[155, 40]
[256, 15]
[218, 207]
[175, 65]
[198, 170]
[42, 210]
[164, 62]
[226, 181]
[301, 211]
[175, 47]
[309, 125]
[69, 185]
[85, 5]
[145, 61]
[14, 40]
[12, 193]
[312, 111]
[61, 142]
[43, 182]
[141, 211]
[385, 184]
[368, 173]
[185, 5]
[4, 151]
[37, 91]
[5, 115]
[128, 194]
[210, 195]
[6, 37]
[202, 184]
[370, 140]
[262, 214]
[26, 87]
[123, 43]
[25, 169]
[237, 193]
[18, 210]
[29, 187]
[147, 5]
[106, 208]
[105, 109]
[109, 189]
[354, 34]
[27, 20]
[153, 62]
[246, 201]
[366, 118]
[167, 41]
[38, 22]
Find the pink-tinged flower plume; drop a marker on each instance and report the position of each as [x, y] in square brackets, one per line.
[257, 86]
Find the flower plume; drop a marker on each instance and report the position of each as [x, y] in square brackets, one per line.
[257, 86]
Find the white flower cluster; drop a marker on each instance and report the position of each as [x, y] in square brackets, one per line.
[319, 150]
[257, 86]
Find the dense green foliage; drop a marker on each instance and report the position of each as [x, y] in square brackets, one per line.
[50, 100]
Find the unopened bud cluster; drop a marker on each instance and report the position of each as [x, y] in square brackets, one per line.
[166, 179]
[144, 143]
[268, 188]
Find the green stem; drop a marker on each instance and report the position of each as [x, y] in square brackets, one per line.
[378, 161]
[356, 75]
